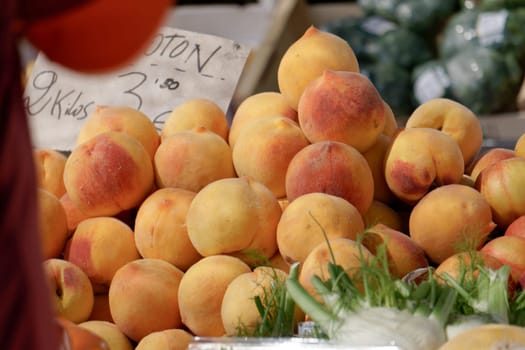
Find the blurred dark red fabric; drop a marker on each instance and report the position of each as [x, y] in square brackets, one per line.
[26, 319]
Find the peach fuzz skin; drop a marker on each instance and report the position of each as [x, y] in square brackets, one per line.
[331, 167]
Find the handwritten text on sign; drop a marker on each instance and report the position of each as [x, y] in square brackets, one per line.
[177, 65]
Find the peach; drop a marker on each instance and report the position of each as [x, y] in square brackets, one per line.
[101, 311]
[259, 105]
[73, 214]
[381, 213]
[487, 337]
[347, 253]
[519, 146]
[53, 224]
[454, 119]
[239, 312]
[124, 119]
[100, 246]
[464, 264]
[74, 337]
[450, 219]
[193, 113]
[264, 149]
[143, 297]
[232, 215]
[503, 186]
[264, 243]
[277, 261]
[489, 157]
[375, 157]
[168, 339]
[191, 159]
[70, 290]
[509, 250]
[516, 227]
[420, 158]
[403, 254]
[342, 106]
[308, 57]
[50, 170]
[201, 292]
[110, 333]
[391, 124]
[108, 173]
[331, 167]
[160, 227]
[311, 219]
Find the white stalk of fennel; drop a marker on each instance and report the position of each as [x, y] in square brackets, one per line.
[386, 312]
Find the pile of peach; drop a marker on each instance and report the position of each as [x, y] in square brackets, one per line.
[152, 237]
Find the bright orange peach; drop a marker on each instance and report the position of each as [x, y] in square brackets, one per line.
[193, 113]
[191, 159]
[450, 219]
[108, 173]
[311, 219]
[264, 149]
[160, 227]
[342, 106]
[308, 57]
[466, 263]
[121, 118]
[100, 246]
[143, 297]
[259, 105]
[50, 170]
[331, 167]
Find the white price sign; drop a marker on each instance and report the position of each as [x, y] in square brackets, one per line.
[177, 65]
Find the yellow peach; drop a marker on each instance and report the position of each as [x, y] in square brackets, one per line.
[202, 289]
[191, 159]
[193, 113]
[312, 218]
[160, 227]
[259, 105]
[168, 339]
[53, 224]
[308, 57]
[452, 118]
[110, 333]
[264, 149]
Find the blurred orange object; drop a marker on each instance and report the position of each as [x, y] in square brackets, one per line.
[100, 35]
